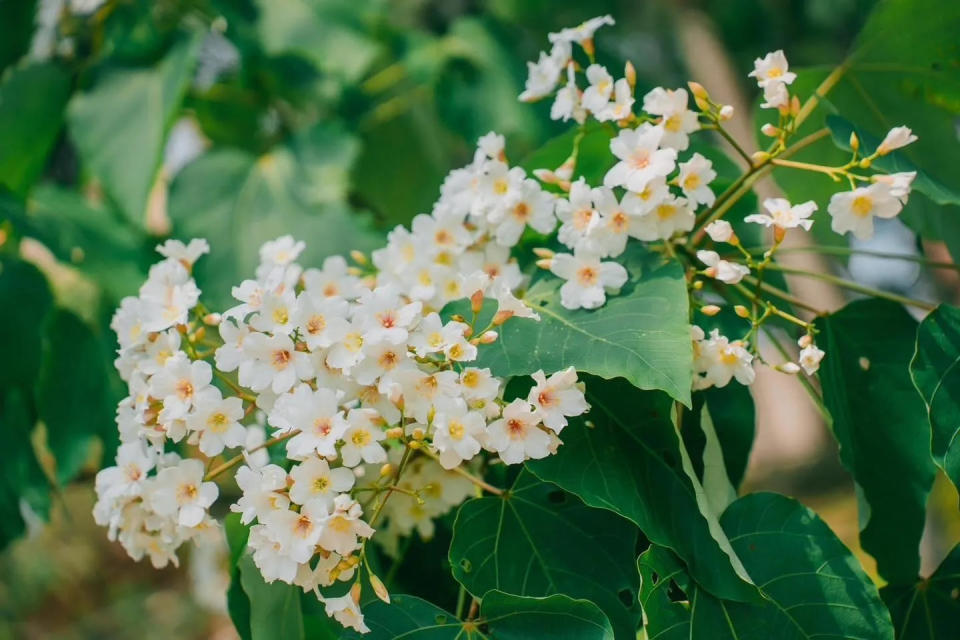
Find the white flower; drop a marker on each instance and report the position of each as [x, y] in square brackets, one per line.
[568, 103]
[854, 210]
[900, 183]
[670, 216]
[178, 384]
[622, 104]
[297, 532]
[181, 493]
[722, 270]
[217, 420]
[187, 254]
[281, 252]
[696, 174]
[509, 305]
[609, 237]
[167, 296]
[577, 215]
[643, 202]
[582, 32]
[381, 363]
[719, 231]
[334, 280]
[775, 96]
[313, 479]
[587, 279]
[542, 75]
[478, 385]
[717, 361]
[641, 159]
[556, 398]
[784, 215]
[343, 526]
[678, 121]
[491, 145]
[361, 441]
[126, 479]
[895, 139]
[527, 205]
[320, 321]
[276, 314]
[272, 362]
[810, 357]
[270, 554]
[346, 612]
[517, 435]
[458, 434]
[597, 95]
[773, 68]
[261, 489]
[385, 316]
[318, 417]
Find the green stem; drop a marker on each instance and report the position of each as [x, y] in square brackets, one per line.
[853, 286]
[847, 251]
[235, 460]
[807, 385]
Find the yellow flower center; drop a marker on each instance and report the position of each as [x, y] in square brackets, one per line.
[862, 206]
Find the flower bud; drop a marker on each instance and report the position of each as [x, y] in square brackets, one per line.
[212, 319]
[476, 301]
[788, 367]
[720, 231]
[865, 163]
[805, 341]
[500, 317]
[358, 257]
[778, 234]
[759, 157]
[543, 252]
[854, 141]
[489, 337]
[545, 263]
[379, 588]
[458, 318]
[630, 74]
[710, 310]
[769, 130]
[419, 434]
[414, 445]
[700, 95]
[697, 285]
[565, 171]
[741, 311]
[199, 334]
[588, 47]
[794, 106]
[394, 432]
[726, 112]
[546, 176]
[355, 593]
[386, 470]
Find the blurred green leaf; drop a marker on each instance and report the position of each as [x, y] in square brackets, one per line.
[32, 101]
[16, 16]
[21, 479]
[26, 301]
[537, 540]
[238, 201]
[814, 586]
[937, 377]
[121, 124]
[927, 609]
[238, 602]
[72, 392]
[625, 455]
[274, 607]
[880, 424]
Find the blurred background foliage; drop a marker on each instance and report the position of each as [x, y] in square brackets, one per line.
[126, 121]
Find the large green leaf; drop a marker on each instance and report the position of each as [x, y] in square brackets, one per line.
[537, 540]
[502, 616]
[121, 124]
[274, 607]
[625, 455]
[928, 609]
[238, 201]
[26, 300]
[238, 603]
[642, 334]
[72, 392]
[880, 424]
[814, 586]
[17, 19]
[733, 418]
[32, 99]
[936, 374]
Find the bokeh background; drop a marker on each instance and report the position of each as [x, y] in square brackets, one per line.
[124, 121]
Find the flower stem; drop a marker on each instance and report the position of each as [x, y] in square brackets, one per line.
[847, 251]
[807, 385]
[235, 460]
[469, 476]
[853, 286]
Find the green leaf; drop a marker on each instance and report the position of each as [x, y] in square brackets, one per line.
[238, 201]
[17, 19]
[630, 461]
[502, 616]
[814, 586]
[716, 484]
[274, 607]
[32, 100]
[537, 540]
[21, 478]
[880, 425]
[593, 158]
[936, 375]
[72, 392]
[90, 237]
[26, 300]
[238, 603]
[928, 609]
[642, 334]
[120, 125]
